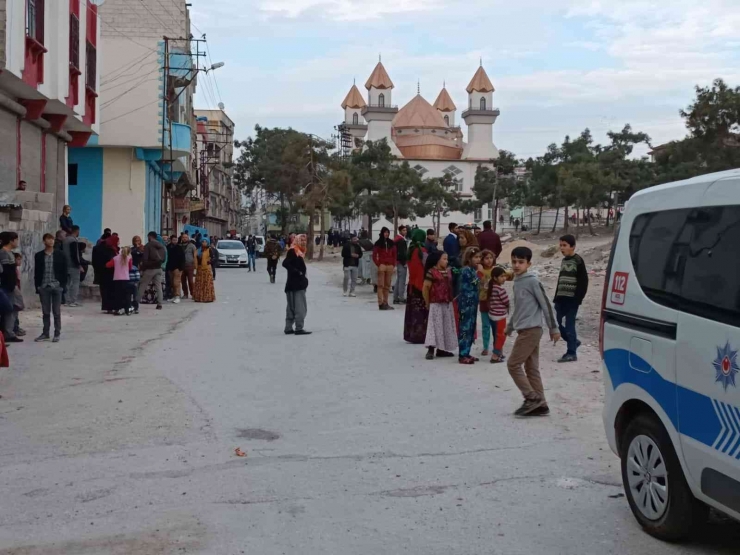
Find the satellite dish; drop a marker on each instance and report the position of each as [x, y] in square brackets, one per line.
[221, 106]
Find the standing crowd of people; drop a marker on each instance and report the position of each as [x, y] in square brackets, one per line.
[127, 275]
[446, 291]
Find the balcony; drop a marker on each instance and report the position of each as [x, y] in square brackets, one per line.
[182, 143]
[487, 112]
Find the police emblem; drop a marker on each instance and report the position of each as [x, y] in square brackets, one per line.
[726, 366]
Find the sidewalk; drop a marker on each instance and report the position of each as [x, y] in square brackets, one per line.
[67, 398]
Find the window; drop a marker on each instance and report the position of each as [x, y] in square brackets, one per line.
[72, 174]
[490, 213]
[91, 66]
[478, 215]
[453, 170]
[688, 260]
[421, 170]
[381, 100]
[74, 41]
[482, 103]
[35, 20]
[355, 119]
[459, 183]
[447, 120]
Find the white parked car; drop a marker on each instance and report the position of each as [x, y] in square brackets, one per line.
[231, 253]
[669, 338]
[260, 240]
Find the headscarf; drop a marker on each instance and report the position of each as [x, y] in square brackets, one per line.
[296, 246]
[112, 243]
[418, 238]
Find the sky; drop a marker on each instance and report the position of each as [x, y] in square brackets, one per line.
[558, 66]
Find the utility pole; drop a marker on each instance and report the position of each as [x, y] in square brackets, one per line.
[168, 219]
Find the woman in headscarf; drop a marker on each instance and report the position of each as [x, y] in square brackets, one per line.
[103, 253]
[415, 319]
[204, 291]
[295, 287]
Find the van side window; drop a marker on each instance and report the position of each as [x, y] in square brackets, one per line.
[689, 260]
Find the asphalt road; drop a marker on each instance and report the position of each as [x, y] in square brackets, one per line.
[121, 441]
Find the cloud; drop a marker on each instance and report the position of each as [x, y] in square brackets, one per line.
[345, 10]
[558, 65]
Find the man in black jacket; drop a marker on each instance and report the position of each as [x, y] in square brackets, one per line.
[399, 291]
[351, 255]
[50, 277]
[175, 266]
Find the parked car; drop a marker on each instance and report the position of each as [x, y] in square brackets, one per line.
[231, 253]
[669, 339]
[260, 240]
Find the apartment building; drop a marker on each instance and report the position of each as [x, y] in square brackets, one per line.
[130, 177]
[49, 88]
[220, 201]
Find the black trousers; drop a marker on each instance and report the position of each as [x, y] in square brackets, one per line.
[272, 266]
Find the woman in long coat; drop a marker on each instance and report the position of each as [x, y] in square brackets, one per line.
[415, 319]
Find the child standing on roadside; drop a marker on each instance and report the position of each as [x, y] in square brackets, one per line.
[487, 259]
[569, 294]
[531, 306]
[437, 294]
[498, 309]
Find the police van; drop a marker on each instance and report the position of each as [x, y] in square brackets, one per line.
[669, 341]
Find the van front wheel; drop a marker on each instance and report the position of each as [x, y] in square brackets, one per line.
[654, 483]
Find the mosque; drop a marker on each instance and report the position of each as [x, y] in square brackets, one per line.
[426, 135]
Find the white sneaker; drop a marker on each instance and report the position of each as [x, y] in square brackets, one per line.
[352, 295]
[344, 294]
[176, 300]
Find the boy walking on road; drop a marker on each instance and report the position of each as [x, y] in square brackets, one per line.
[569, 294]
[531, 306]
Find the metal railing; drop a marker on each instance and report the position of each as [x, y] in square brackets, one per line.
[393, 106]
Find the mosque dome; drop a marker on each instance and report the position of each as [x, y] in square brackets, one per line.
[421, 133]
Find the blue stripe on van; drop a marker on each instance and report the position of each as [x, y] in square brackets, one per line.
[700, 417]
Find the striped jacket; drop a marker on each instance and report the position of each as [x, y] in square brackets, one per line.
[498, 302]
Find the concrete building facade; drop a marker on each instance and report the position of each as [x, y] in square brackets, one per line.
[49, 83]
[219, 208]
[143, 160]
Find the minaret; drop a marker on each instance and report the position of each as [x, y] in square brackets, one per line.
[380, 111]
[480, 117]
[446, 107]
[354, 123]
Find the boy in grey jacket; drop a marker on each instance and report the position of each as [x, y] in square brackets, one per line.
[531, 307]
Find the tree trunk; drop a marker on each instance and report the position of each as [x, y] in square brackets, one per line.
[323, 233]
[395, 222]
[557, 213]
[565, 213]
[438, 225]
[495, 215]
[539, 222]
[309, 234]
[578, 221]
[531, 215]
